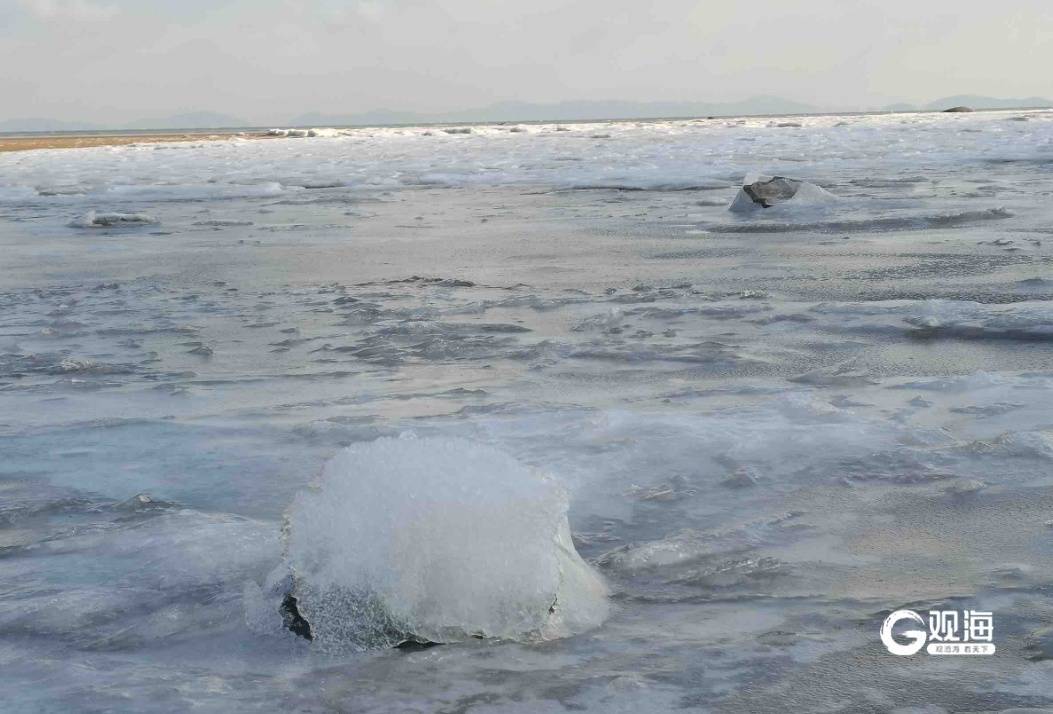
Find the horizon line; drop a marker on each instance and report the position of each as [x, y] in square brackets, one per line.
[499, 122]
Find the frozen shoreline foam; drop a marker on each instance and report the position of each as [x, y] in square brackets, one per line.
[315, 132]
[436, 540]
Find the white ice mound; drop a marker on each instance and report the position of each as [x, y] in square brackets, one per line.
[288, 133]
[759, 192]
[324, 132]
[436, 540]
[92, 219]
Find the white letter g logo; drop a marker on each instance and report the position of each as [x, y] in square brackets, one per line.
[916, 637]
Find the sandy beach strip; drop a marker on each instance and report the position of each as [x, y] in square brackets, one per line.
[29, 142]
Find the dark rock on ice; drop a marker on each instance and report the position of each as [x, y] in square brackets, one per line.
[93, 219]
[292, 620]
[766, 191]
[415, 645]
[391, 633]
[958, 110]
[775, 190]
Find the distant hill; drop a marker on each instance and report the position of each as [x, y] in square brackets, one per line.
[978, 102]
[973, 101]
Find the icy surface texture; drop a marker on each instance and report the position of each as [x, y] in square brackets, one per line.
[437, 540]
[773, 427]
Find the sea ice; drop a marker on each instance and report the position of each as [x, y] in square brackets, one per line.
[760, 191]
[756, 479]
[319, 132]
[436, 540]
[92, 219]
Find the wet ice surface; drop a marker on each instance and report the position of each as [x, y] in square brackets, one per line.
[772, 427]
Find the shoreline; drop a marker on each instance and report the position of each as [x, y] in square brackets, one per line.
[32, 142]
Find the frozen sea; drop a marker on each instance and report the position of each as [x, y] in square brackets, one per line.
[771, 428]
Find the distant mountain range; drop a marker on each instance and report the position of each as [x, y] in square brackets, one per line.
[519, 111]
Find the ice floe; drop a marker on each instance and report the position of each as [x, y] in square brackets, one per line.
[93, 219]
[760, 191]
[436, 540]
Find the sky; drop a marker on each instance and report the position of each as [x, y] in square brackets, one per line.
[115, 61]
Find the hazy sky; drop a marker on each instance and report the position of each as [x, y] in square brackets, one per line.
[265, 60]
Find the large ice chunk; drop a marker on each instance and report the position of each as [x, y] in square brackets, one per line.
[759, 191]
[436, 540]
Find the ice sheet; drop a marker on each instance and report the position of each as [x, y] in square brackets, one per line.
[764, 431]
